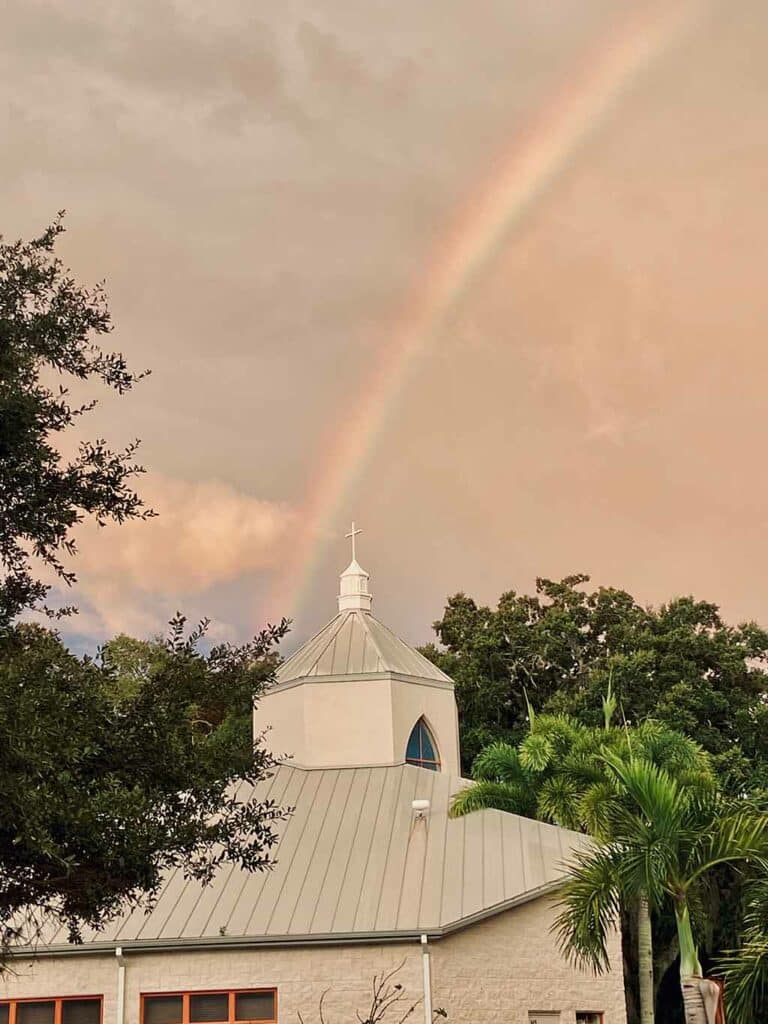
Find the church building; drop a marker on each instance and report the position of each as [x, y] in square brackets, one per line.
[371, 876]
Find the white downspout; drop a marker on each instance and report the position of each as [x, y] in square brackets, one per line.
[120, 1008]
[427, 972]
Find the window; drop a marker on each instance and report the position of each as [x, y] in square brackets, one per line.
[543, 1017]
[421, 749]
[589, 1017]
[222, 1007]
[68, 1010]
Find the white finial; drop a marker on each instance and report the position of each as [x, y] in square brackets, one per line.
[353, 534]
[354, 592]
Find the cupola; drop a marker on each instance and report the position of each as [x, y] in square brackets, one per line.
[355, 694]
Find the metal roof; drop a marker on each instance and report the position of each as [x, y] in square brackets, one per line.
[355, 643]
[354, 861]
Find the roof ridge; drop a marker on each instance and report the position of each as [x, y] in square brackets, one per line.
[420, 657]
[372, 638]
[307, 643]
[372, 648]
[338, 621]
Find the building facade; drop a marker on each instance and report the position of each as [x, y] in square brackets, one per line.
[372, 876]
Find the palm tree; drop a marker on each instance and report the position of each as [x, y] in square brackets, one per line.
[665, 842]
[746, 968]
[559, 774]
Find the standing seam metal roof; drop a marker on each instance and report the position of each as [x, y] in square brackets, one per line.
[353, 860]
[355, 643]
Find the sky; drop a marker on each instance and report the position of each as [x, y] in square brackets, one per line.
[487, 278]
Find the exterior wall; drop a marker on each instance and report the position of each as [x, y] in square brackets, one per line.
[348, 723]
[438, 706]
[352, 722]
[494, 971]
[499, 969]
[329, 724]
[300, 976]
[281, 712]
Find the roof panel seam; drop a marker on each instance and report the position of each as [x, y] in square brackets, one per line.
[328, 805]
[288, 868]
[289, 773]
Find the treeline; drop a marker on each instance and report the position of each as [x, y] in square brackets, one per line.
[646, 728]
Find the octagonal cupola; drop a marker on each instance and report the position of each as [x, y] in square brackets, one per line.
[355, 694]
[354, 589]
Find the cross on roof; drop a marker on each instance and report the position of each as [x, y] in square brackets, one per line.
[353, 534]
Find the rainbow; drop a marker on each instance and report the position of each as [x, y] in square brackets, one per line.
[529, 168]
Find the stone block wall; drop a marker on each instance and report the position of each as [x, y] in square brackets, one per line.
[494, 971]
[501, 968]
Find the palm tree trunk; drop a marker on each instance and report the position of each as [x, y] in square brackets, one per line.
[645, 961]
[699, 999]
[693, 1003]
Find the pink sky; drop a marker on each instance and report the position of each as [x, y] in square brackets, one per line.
[263, 192]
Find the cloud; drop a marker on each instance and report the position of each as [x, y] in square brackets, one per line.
[206, 534]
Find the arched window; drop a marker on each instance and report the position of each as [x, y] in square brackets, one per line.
[421, 749]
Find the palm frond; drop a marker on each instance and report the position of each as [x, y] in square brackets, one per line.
[661, 801]
[746, 980]
[595, 809]
[590, 902]
[558, 802]
[730, 839]
[536, 751]
[756, 899]
[746, 969]
[499, 762]
[503, 796]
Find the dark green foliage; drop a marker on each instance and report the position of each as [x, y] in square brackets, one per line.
[102, 790]
[746, 968]
[679, 664]
[111, 770]
[47, 327]
[558, 773]
[666, 841]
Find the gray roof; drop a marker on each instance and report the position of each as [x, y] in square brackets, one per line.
[353, 861]
[355, 643]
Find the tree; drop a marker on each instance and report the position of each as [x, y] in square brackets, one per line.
[131, 662]
[112, 770]
[47, 327]
[101, 794]
[665, 847]
[746, 969]
[558, 773]
[680, 664]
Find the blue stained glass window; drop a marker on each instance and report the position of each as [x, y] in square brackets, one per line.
[421, 749]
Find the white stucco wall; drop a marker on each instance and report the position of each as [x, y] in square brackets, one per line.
[437, 705]
[348, 722]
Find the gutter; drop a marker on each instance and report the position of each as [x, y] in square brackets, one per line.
[211, 942]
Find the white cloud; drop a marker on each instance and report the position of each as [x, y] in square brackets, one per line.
[133, 576]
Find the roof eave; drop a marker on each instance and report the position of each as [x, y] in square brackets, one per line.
[434, 933]
[444, 684]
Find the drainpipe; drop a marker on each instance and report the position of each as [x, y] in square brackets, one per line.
[120, 1010]
[427, 974]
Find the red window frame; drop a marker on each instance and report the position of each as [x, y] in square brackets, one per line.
[232, 993]
[57, 1004]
